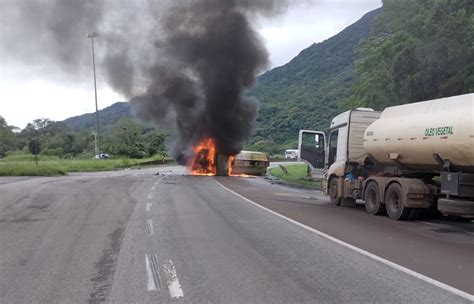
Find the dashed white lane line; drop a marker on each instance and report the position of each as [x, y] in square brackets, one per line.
[148, 207]
[151, 263]
[149, 227]
[153, 188]
[150, 195]
[174, 287]
[359, 250]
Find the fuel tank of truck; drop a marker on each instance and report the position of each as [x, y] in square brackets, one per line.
[409, 135]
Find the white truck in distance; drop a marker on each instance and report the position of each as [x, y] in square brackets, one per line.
[291, 154]
[401, 161]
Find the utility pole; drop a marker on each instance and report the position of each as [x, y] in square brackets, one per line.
[97, 135]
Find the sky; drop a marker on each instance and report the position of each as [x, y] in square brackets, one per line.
[28, 93]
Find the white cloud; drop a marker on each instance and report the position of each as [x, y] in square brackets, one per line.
[304, 25]
[22, 102]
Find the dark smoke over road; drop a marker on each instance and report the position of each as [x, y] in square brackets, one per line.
[185, 64]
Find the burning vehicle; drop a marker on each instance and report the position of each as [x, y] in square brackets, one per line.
[249, 163]
[208, 162]
[204, 161]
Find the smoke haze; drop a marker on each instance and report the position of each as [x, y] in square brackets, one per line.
[184, 65]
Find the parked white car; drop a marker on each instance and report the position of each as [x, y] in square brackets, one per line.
[102, 156]
[291, 154]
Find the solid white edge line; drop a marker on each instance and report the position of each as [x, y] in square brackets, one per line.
[150, 282]
[359, 250]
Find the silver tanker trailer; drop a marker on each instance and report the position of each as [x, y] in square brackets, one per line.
[401, 161]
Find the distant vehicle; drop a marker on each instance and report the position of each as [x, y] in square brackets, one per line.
[250, 162]
[102, 156]
[400, 161]
[291, 154]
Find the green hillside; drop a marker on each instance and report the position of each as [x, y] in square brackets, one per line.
[308, 91]
[108, 116]
[420, 50]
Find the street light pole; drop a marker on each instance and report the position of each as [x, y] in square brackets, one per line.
[97, 135]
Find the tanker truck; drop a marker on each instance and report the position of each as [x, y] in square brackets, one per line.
[401, 161]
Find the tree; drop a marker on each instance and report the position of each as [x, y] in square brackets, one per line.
[34, 146]
[56, 138]
[420, 50]
[124, 139]
[154, 142]
[8, 139]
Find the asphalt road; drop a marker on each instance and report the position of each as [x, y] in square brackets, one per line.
[138, 237]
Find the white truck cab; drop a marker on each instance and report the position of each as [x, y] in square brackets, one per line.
[344, 144]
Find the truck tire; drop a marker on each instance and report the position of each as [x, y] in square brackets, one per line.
[332, 191]
[394, 203]
[373, 203]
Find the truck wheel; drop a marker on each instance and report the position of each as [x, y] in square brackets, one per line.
[394, 203]
[373, 204]
[332, 191]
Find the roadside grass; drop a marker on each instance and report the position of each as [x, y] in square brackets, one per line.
[23, 157]
[29, 169]
[297, 175]
[56, 166]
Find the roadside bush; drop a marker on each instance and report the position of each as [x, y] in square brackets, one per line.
[53, 152]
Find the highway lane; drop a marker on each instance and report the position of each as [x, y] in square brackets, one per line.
[60, 237]
[440, 249]
[138, 237]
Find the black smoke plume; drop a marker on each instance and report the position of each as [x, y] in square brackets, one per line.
[184, 64]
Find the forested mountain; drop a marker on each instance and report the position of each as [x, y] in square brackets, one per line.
[405, 52]
[308, 91]
[108, 116]
[419, 50]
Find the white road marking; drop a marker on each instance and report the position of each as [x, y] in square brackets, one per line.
[149, 224]
[153, 282]
[148, 207]
[172, 280]
[361, 251]
[150, 195]
[153, 188]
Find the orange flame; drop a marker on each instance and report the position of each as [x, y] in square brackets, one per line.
[230, 164]
[204, 160]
